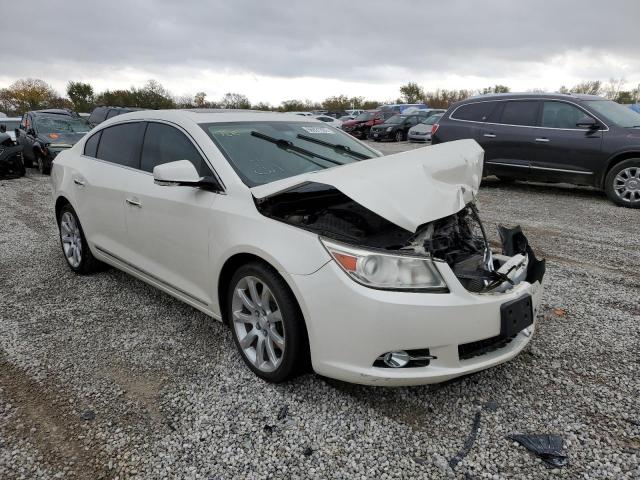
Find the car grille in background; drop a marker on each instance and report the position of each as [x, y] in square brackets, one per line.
[474, 349]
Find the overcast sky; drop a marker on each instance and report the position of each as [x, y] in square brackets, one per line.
[274, 50]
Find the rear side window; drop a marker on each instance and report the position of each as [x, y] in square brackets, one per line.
[561, 115]
[121, 144]
[521, 112]
[164, 144]
[476, 112]
[91, 145]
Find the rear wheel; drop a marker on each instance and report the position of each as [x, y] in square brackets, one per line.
[74, 244]
[622, 183]
[266, 322]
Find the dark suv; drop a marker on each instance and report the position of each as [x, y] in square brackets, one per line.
[100, 114]
[45, 133]
[579, 139]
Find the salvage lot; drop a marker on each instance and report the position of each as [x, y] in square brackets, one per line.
[104, 376]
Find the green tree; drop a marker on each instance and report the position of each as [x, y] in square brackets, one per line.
[496, 89]
[235, 100]
[625, 97]
[81, 95]
[337, 103]
[412, 93]
[28, 94]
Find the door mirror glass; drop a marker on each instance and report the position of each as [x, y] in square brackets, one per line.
[176, 172]
[587, 122]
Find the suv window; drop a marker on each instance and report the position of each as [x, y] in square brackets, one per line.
[91, 145]
[164, 144]
[476, 112]
[520, 112]
[112, 113]
[561, 115]
[121, 144]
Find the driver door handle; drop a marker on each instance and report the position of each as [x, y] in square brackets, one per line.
[542, 139]
[133, 202]
[80, 183]
[490, 135]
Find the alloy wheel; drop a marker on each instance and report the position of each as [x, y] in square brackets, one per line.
[399, 136]
[71, 239]
[626, 184]
[258, 324]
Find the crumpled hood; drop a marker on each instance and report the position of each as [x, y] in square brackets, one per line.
[409, 188]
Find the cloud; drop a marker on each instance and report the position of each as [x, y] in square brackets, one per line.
[370, 45]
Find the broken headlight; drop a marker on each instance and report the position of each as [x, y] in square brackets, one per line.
[382, 270]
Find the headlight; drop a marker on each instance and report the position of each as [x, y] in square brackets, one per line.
[385, 271]
[389, 129]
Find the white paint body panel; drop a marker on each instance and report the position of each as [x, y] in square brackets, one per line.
[180, 238]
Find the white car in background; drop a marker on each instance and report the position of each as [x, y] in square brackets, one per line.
[305, 241]
[334, 122]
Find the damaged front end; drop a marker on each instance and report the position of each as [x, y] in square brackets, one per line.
[459, 239]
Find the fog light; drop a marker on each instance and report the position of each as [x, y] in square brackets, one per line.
[396, 359]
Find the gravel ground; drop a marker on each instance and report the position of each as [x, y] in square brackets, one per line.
[105, 377]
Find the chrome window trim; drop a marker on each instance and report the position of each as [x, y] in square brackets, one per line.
[167, 122]
[606, 129]
[517, 165]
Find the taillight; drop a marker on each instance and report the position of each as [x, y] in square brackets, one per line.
[434, 128]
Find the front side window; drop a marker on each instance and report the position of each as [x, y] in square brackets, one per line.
[561, 115]
[520, 112]
[263, 152]
[120, 144]
[475, 112]
[164, 144]
[61, 124]
[616, 113]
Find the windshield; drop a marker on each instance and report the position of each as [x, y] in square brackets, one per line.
[10, 124]
[61, 124]
[395, 119]
[432, 119]
[263, 152]
[364, 117]
[618, 114]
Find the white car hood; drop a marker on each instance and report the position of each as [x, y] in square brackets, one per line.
[409, 188]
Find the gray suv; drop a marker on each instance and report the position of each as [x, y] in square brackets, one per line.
[579, 139]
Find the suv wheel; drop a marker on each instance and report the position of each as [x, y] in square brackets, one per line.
[622, 183]
[74, 243]
[399, 136]
[266, 322]
[44, 165]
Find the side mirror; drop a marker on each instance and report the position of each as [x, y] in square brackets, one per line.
[183, 173]
[588, 122]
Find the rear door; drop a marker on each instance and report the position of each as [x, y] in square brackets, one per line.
[563, 151]
[169, 227]
[100, 189]
[508, 138]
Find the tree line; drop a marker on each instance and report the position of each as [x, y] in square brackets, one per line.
[34, 94]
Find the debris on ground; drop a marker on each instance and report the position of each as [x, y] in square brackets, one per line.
[548, 447]
[88, 415]
[468, 443]
[282, 413]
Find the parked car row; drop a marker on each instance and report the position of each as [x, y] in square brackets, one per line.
[387, 124]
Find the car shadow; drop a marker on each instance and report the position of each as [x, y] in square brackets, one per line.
[539, 187]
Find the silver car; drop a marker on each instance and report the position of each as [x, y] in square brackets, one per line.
[422, 131]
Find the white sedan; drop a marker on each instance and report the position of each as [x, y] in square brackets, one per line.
[311, 246]
[334, 122]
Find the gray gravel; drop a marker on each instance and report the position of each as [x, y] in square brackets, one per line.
[105, 377]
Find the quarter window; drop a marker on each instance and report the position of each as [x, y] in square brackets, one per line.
[91, 145]
[476, 112]
[561, 115]
[522, 112]
[164, 144]
[121, 144]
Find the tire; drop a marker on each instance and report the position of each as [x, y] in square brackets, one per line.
[254, 322]
[622, 183]
[399, 136]
[71, 237]
[505, 179]
[44, 165]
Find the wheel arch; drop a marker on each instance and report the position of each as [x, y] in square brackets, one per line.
[61, 201]
[614, 160]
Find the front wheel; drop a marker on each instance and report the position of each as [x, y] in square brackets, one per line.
[622, 183]
[44, 165]
[266, 322]
[399, 136]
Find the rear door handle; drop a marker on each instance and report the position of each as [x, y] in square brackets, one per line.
[490, 135]
[542, 139]
[80, 183]
[134, 203]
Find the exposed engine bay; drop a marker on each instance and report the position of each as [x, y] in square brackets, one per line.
[459, 239]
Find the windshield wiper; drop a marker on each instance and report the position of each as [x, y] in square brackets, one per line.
[338, 147]
[288, 145]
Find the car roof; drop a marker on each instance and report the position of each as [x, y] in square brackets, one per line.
[53, 111]
[515, 95]
[208, 115]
